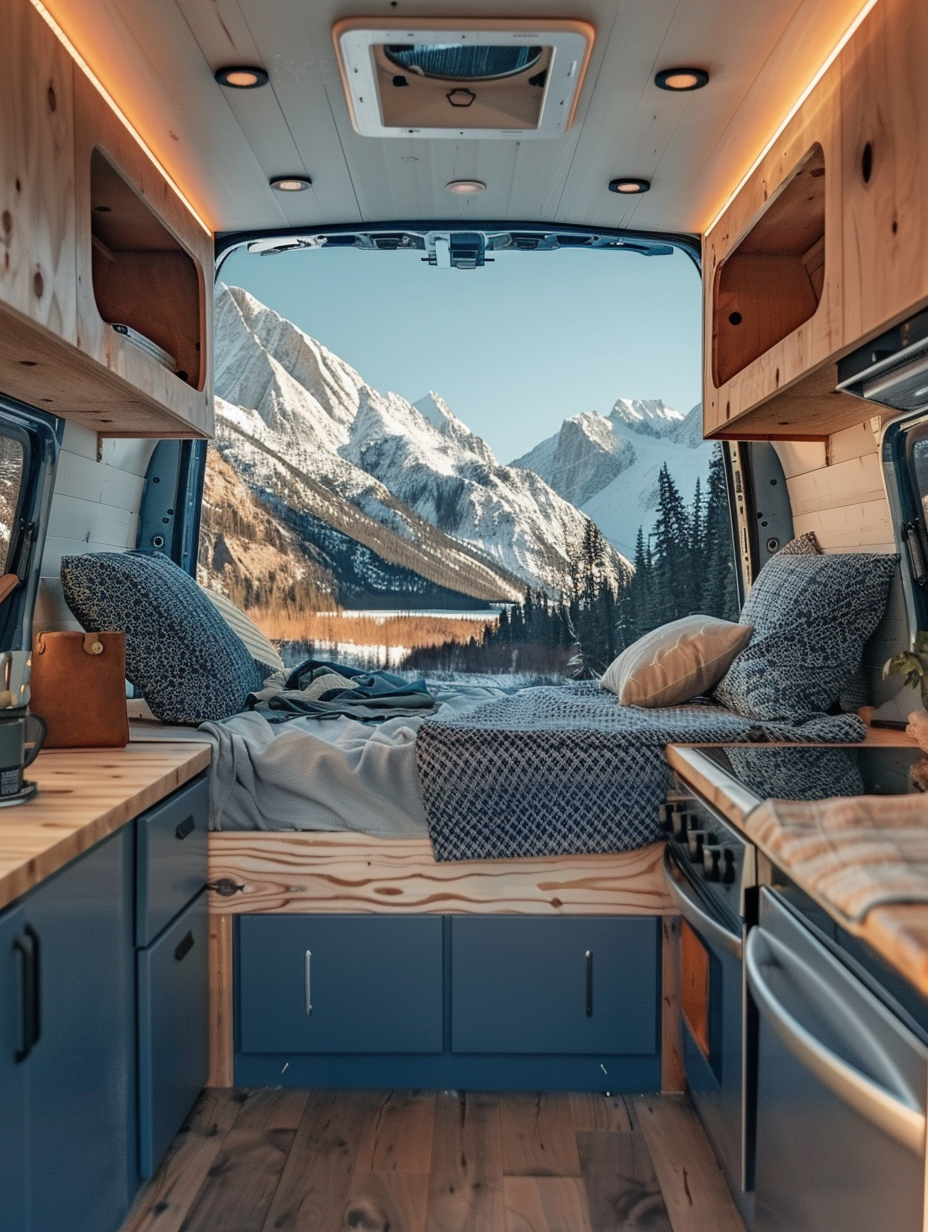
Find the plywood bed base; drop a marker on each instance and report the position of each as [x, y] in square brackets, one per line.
[346, 872]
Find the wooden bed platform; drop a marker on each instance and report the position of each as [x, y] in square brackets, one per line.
[342, 873]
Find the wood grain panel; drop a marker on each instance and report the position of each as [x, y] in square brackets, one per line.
[694, 986]
[221, 1006]
[37, 221]
[591, 1110]
[328, 872]
[245, 1173]
[537, 1135]
[546, 1204]
[466, 1181]
[690, 1179]
[673, 1077]
[85, 795]
[317, 1175]
[795, 373]
[164, 1203]
[885, 103]
[398, 1136]
[853, 482]
[156, 388]
[622, 1186]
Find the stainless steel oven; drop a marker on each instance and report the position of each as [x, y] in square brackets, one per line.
[842, 1077]
[711, 875]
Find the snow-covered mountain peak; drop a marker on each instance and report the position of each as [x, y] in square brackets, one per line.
[286, 404]
[649, 416]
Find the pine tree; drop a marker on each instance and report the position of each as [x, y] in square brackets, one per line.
[672, 540]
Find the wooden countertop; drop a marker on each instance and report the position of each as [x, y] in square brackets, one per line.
[84, 795]
[898, 932]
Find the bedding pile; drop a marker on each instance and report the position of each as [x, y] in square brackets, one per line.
[495, 774]
[563, 770]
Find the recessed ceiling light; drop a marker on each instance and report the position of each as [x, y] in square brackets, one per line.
[241, 77]
[681, 79]
[627, 184]
[466, 188]
[291, 183]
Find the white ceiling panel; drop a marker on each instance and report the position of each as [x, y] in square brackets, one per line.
[157, 58]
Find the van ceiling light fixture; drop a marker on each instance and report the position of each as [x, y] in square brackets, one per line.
[116, 109]
[629, 185]
[681, 80]
[817, 77]
[291, 183]
[241, 77]
[441, 77]
[466, 188]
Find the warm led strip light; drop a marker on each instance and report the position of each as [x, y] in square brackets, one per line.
[836, 51]
[114, 107]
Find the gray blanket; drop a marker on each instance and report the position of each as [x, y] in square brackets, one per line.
[566, 770]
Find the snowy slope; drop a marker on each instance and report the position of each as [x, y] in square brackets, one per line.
[609, 465]
[291, 413]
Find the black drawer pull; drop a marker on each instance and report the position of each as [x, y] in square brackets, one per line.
[27, 947]
[186, 827]
[184, 947]
[589, 983]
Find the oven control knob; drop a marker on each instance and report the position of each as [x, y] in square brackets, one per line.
[728, 872]
[696, 839]
[712, 859]
[688, 821]
[667, 815]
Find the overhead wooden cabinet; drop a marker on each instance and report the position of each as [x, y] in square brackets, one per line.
[824, 246]
[885, 139]
[772, 270]
[93, 235]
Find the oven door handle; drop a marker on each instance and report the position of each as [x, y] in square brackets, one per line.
[695, 913]
[868, 1098]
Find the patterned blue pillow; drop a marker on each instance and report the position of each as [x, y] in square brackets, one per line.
[186, 660]
[811, 617]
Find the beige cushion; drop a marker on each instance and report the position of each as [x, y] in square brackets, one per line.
[677, 662]
[259, 647]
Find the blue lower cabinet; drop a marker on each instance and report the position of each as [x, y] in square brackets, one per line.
[173, 1024]
[578, 986]
[340, 984]
[80, 1071]
[16, 1033]
[171, 858]
[479, 1003]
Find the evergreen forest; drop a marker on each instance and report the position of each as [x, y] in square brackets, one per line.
[685, 566]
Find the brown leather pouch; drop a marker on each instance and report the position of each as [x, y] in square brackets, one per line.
[78, 686]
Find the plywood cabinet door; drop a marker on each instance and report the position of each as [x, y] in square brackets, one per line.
[885, 140]
[37, 219]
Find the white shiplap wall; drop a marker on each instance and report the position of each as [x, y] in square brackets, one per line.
[95, 509]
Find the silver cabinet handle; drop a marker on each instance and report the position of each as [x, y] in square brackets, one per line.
[872, 1101]
[308, 980]
[695, 913]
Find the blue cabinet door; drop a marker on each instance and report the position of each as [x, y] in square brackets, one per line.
[171, 858]
[81, 1071]
[340, 984]
[15, 1030]
[173, 993]
[537, 985]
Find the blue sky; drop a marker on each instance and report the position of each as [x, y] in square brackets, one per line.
[515, 347]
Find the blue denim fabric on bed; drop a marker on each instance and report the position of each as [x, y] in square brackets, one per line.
[811, 617]
[188, 663]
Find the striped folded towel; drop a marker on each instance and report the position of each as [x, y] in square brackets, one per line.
[855, 853]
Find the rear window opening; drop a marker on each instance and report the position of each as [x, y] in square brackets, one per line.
[468, 452]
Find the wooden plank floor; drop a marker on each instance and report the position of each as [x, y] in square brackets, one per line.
[424, 1161]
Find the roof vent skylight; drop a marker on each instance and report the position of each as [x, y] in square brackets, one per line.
[446, 78]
